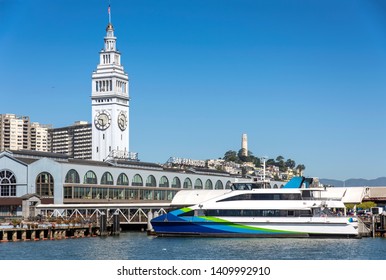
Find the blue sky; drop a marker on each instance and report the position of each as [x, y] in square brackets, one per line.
[304, 79]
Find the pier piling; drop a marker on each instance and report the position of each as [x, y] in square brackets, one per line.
[116, 225]
[103, 224]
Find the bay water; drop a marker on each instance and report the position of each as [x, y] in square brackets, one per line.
[140, 246]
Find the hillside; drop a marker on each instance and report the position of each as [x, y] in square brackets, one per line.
[379, 182]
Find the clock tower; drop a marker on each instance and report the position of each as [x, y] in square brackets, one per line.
[110, 102]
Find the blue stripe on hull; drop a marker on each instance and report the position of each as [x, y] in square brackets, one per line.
[186, 228]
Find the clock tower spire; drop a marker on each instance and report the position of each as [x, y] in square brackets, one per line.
[110, 102]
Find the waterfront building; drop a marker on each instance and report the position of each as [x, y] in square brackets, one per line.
[57, 178]
[73, 141]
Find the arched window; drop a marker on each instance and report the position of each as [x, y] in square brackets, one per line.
[163, 182]
[7, 183]
[187, 183]
[208, 185]
[150, 181]
[137, 181]
[228, 185]
[90, 178]
[198, 184]
[176, 183]
[123, 180]
[107, 179]
[219, 185]
[72, 177]
[45, 184]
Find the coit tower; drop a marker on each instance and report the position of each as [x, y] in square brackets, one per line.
[244, 145]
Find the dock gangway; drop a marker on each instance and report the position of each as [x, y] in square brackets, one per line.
[129, 213]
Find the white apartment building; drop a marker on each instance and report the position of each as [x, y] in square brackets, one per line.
[39, 137]
[14, 132]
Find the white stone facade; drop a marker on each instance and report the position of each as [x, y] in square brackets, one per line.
[110, 103]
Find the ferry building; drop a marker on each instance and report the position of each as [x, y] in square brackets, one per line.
[28, 178]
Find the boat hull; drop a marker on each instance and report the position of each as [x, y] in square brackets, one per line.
[255, 227]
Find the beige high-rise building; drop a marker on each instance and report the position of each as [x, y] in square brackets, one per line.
[39, 137]
[14, 132]
[18, 133]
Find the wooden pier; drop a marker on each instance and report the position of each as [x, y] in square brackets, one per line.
[372, 226]
[48, 233]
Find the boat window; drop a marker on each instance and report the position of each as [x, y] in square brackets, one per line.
[263, 196]
[323, 212]
[250, 186]
[307, 194]
[316, 194]
[187, 214]
[199, 212]
[303, 213]
[257, 213]
[291, 196]
[241, 187]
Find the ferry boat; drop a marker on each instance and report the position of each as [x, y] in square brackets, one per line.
[298, 209]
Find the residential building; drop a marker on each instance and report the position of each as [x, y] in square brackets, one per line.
[74, 141]
[39, 137]
[14, 132]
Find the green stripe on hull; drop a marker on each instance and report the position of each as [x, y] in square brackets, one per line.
[244, 227]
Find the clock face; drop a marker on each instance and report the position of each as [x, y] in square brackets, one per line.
[102, 120]
[122, 121]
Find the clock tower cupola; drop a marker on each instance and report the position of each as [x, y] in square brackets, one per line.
[110, 102]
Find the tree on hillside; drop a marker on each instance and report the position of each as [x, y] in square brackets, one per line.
[231, 156]
[281, 164]
[300, 168]
[280, 158]
[241, 155]
[249, 158]
[270, 161]
[256, 161]
[290, 164]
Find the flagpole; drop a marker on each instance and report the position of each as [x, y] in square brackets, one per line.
[109, 14]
